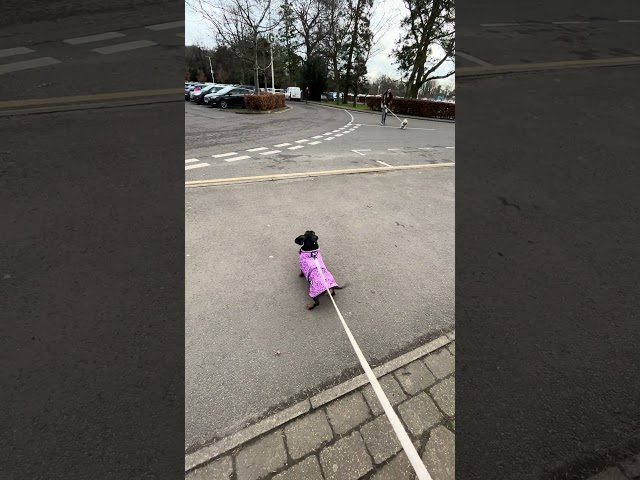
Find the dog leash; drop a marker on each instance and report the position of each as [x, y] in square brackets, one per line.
[405, 441]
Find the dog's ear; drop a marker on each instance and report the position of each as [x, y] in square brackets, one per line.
[300, 240]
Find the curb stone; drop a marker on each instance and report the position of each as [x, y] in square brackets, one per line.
[313, 429]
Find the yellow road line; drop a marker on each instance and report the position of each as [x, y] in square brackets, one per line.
[92, 97]
[536, 67]
[314, 174]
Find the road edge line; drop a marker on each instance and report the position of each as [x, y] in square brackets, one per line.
[320, 173]
[224, 445]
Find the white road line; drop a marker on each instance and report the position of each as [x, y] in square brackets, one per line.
[123, 47]
[27, 64]
[569, 23]
[243, 157]
[406, 128]
[296, 147]
[315, 143]
[220, 155]
[93, 38]
[339, 134]
[334, 131]
[8, 52]
[393, 149]
[330, 138]
[282, 145]
[317, 136]
[363, 150]
[257, 149]
[270, 152]
[473, 59]
[450, 147]
[328, 133]
[302, 141]
[425, 148]
[166, 26]
[197, 165]
[499, 24]
[191, 160]
[628, 21]
[382, 163]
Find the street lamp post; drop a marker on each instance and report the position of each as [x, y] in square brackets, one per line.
[211, 68]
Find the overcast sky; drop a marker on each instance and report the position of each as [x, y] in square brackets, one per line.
[392, 11]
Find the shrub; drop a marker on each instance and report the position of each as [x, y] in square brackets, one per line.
[264, 101]
[419, 108]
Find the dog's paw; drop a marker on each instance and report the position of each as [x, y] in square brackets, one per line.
[309, 307]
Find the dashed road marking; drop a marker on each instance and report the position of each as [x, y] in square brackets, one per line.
[334, 131]
[197, 165]
[450, 147]
[257, 149]
[363, 150]
[302, 141]
[328, 133]
[317, 136]
[220, 155]
[8, 52]
[339, 134]
[124, 47]
[296, 147]
[315, 143]
[93, 38]
[473, 59]
[382, 163]
[425, 148]
[393, 149]
[282, 145]
[234, 159]
[27, 64]
[166, 26]
[330, 138]
[271, 152]
[191, 160]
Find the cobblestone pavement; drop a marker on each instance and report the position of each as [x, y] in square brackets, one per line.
[351, 438]
[626, 470]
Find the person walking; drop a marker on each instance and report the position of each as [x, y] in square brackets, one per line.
[307, 96]
[387, 99]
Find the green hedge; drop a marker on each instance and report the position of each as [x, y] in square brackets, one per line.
[264, 101]
[419, 108]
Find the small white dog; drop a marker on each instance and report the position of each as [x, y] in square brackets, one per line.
[404, 124]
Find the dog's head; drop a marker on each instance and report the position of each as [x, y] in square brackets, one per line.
[309, 240]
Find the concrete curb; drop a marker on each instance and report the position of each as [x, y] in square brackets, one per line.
[262, 112]
[441, 120]
[215, 450]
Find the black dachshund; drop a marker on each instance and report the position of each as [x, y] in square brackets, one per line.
[310, 260]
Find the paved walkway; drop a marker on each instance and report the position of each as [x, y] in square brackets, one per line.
[343, 434]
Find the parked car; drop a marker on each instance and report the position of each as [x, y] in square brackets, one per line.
[191, 88]
[293, 93]
[229, 97]
[198, 96]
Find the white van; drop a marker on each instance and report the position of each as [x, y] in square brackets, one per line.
[293, 93]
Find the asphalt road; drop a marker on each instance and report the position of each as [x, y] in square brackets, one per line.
[503, 32]
[36, 62]
[306, 138]
[547, 276]
[390, 236]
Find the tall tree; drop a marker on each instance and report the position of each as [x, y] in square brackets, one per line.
[238, 24]
[430, 26]
[361, 11]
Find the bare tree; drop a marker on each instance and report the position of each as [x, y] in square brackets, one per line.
[238, 24]
[429, 24]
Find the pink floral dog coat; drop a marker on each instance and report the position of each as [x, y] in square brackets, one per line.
[311, 273]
